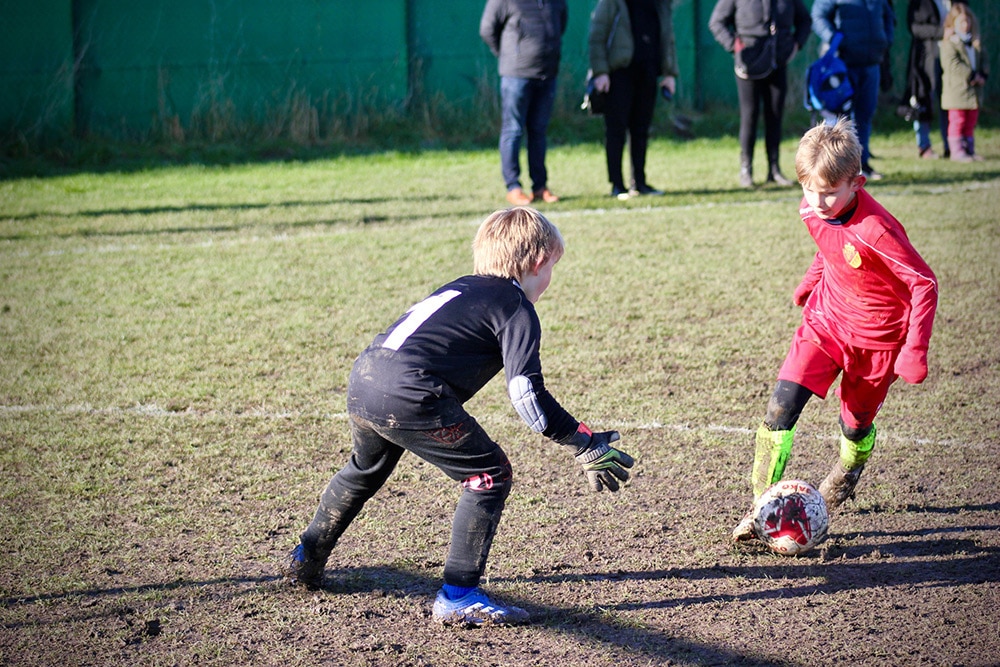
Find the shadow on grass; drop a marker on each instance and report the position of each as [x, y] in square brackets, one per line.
[90, 595]
[360, 218]
[923, 509]
[158, 210]
[588, 624]
[961, 562]
[673, 198]
[567, 128]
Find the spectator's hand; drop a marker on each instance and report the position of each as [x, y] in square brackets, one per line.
[801, 294]
[602, 83]
[911, 365]
[603, 464]
[795, 51]
[737, 45]
[670, 83]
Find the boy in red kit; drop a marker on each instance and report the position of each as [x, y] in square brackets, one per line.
[868, 306]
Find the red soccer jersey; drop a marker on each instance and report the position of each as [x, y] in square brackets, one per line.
[869, 287]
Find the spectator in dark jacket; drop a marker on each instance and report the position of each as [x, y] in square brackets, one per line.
[526, 37]
[736, 23]
[925, 19]
[632, 54]
[868, 28]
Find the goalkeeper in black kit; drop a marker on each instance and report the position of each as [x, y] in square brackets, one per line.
[406, 393]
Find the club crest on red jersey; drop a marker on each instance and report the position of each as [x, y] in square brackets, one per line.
[852, 256]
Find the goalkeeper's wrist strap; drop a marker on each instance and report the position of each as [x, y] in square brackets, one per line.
[591, 455]
[580, 439]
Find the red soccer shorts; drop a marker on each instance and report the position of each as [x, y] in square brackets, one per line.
[816, 359]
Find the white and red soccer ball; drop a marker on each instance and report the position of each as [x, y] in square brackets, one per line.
[790, 517]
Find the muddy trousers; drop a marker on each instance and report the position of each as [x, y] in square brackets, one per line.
[463, 451]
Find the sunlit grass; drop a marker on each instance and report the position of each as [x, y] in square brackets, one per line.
[176, 341]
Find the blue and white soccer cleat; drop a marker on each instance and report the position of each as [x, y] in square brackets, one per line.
[476, 608]
[302, 570]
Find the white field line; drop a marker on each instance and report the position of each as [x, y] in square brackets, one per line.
[153, 411]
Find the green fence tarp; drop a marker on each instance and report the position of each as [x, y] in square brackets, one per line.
[126, 69]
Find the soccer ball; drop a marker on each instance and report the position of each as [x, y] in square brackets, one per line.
[790, 517]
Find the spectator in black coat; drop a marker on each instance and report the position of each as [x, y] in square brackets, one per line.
[922, 98]
[737, 24]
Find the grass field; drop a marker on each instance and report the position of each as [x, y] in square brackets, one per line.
[175, 344]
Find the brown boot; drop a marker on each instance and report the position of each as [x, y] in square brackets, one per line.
[839, 485]
[518, 197]
[544, 195]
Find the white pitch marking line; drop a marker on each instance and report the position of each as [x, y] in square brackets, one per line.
[155, 411]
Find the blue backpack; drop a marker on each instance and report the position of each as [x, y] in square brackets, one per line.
[827, 85]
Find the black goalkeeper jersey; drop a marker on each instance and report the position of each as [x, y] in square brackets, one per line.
[442, 351]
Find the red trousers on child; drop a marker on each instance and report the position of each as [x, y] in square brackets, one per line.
[962, 122]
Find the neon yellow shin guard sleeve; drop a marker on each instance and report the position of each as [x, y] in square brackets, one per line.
[854, 454]
[770, 457]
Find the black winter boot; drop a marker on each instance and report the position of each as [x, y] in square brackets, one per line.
[746, 173]
[774, 175]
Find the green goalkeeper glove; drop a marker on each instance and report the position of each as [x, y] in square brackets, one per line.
[603, 464]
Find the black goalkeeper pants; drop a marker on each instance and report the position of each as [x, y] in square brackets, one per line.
[463, 451]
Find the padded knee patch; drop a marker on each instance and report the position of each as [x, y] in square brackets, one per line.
[855, 434]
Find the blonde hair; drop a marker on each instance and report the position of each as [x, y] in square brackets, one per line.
[961, 9]
[829, 152]
[510, 242]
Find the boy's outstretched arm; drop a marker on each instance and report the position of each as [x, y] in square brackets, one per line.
[907, 264]
[603, 464]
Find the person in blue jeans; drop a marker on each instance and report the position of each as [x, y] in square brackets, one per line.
[868, 27]
[526, 38]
